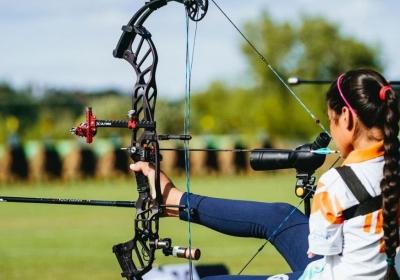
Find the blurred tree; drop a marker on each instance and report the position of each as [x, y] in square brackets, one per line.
[17, 105]
[58, 112]
[313, 49]
[170, 116]
[72, 101]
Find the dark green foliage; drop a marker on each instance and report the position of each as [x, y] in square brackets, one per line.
[312, 49]
[17, 104]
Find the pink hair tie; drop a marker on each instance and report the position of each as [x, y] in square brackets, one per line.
[382, 92]
[341, 94]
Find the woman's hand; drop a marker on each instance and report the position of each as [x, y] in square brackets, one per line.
[145, 167]
[171, 195]
[148, 170]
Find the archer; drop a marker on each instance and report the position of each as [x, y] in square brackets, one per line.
[353, 230]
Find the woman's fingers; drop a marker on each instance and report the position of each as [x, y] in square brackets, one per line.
[145, 167]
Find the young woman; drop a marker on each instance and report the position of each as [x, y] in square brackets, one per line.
[348, 238]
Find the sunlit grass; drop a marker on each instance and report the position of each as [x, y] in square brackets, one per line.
[39, 241]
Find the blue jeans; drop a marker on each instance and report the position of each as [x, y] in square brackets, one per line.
[255, 219]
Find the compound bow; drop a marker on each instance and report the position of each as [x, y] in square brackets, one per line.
[137, 255]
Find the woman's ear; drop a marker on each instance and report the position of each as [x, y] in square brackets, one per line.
[347, 118]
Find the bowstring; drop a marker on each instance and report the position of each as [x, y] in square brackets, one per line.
[315, 119]
[310, 191]
[275, 231]
[188, 74]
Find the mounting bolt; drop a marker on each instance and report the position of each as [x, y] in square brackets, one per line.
[131, 113]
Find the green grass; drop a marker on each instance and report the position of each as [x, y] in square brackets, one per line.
[41, 241]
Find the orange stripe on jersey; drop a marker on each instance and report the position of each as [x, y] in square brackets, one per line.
[368, 222]
[381, 246]
[379, 222]
[323, 203]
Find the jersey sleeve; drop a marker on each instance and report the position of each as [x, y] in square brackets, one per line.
[326, 221]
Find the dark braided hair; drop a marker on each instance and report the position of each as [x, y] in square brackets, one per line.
[361, 88]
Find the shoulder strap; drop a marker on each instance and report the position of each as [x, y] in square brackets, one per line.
[367, 203]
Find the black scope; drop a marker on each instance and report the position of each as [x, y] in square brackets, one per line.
[300, 158]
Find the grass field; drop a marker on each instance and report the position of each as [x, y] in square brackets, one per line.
[39, 241]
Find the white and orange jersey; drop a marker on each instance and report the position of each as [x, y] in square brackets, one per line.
[353, 248]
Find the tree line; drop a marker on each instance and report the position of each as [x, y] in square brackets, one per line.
[311, 49]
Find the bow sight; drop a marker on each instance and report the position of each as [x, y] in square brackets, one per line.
[88, 130]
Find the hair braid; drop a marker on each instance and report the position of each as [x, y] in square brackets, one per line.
[390, 182]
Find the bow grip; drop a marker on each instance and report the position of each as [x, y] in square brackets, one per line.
[142, 182]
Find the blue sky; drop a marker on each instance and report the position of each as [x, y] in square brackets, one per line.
[68, 44]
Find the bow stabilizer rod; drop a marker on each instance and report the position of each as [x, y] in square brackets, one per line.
[77, 201]
[68, 201]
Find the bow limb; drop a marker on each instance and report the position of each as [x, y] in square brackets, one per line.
[196, 10]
